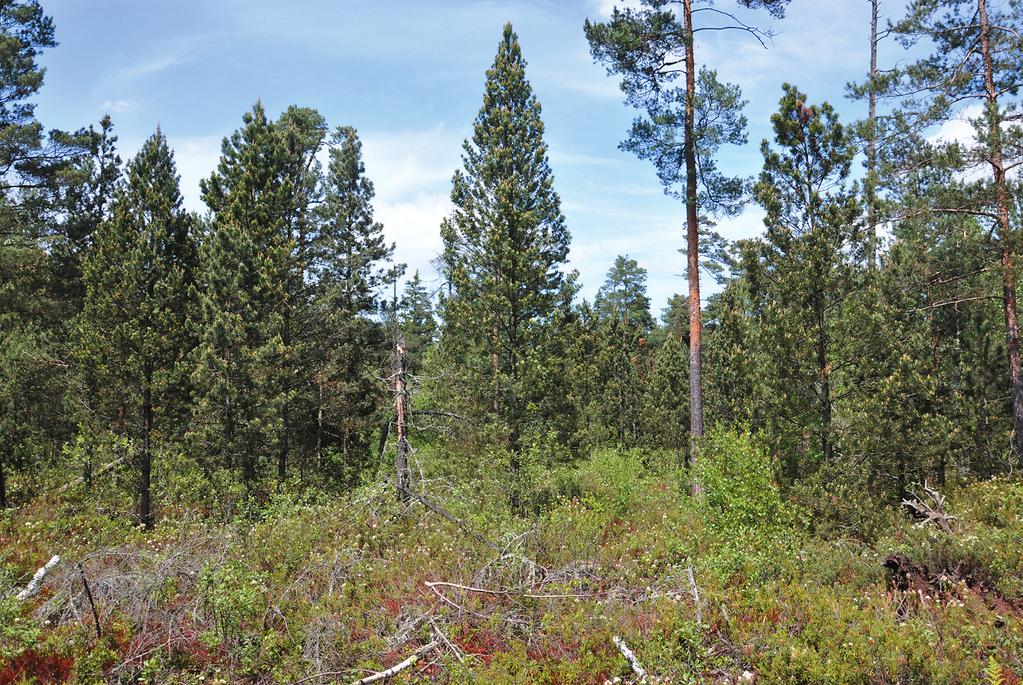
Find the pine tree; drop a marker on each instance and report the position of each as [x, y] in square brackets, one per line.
[29, 160]
[132, 332]
[651, 47]
[811, 220]
[32, 167]
[416, 321]
[665, 426]
[504, 247]
[352, 266]
[617, 401]
[623, 297]
[86, 193]
[247, 267]
[303, 131]
[619, 352]
[976, 60]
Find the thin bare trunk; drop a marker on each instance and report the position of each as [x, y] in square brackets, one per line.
[935, 340]
[1012, 344]
[494, 364]
[3, 483]
[282, 457]
[401, 423]
[824, 373]
[319, 427]
[693, 247]
[146, 461]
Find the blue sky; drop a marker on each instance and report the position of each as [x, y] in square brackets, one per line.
[409, 77]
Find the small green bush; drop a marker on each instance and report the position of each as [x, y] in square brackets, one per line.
[753, 528]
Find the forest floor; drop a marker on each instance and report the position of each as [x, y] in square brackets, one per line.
[742, 587]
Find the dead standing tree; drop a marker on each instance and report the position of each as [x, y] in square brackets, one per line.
[401, 411]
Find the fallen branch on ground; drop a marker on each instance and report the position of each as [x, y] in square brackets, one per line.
[92, 603]
[397, 668]
[505, 593]
[637, 668]
[37, 579]
[696, 596]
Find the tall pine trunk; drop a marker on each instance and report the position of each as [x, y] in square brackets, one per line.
[693, 247]
[872, 143]
[996, 159]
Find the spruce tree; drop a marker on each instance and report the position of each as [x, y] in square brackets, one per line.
[352, 265]
[132, 334]
[504, 246]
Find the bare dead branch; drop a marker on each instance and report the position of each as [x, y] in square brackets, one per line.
[931, 509]
[505, 593]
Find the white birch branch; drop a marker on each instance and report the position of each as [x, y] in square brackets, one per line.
[37, 579]
[397, 668]
[637, 668]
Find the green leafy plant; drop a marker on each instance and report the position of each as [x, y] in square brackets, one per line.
[993, 672]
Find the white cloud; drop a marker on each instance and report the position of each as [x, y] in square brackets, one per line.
[119, 106]
[411, 171]
[154, 65]
[590, 85]
[958, 130]
[605, 7]
[414, 225]
[196, 158]
[404, 164]
[559, 157]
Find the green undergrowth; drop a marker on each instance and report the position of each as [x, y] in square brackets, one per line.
[735, 586]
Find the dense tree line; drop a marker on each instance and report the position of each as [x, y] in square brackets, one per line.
[869, 335]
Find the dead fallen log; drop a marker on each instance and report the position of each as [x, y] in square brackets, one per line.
[637, 668]
[397, 668]
[37, 580]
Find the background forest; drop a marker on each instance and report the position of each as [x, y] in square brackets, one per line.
[265, 452]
